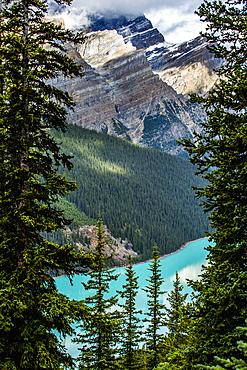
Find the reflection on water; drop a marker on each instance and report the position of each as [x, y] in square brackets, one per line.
[191, 272]
[187, 262]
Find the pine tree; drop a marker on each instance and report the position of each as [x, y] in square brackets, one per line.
[233, 362]
[175, 311]
[31, 308]
[177, 322]
[220, 154]
[131, 332]
[155, 312]
[100, 330]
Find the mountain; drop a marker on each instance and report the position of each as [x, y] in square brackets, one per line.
[188, 67]
[120, 95]
[137, 30]
[136, 85]
[144, 196]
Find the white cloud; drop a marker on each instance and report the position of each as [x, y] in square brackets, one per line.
[177, 25]
[74, 18]
[175, 19]
[138, 6]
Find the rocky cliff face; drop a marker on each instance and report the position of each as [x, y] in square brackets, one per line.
[137, 30]
[121, 95]
[135, 84]
[187, 67]
[121, 248]
[102, 47]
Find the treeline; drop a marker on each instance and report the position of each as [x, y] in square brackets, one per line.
[142, 194]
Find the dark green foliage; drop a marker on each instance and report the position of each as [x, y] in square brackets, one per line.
[153, 123]
[234, 363]
[177, 323]
[174, 313]
[131, 331]
[78, 218]
[143, 195]
[119, 128]
[156, 127]
[72, 213]
[155, 312]
[221, 156]
[31, 308]
[100, 329]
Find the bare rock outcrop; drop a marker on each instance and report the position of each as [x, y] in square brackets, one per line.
[136, 85]
[118, 248]
[188, 67]
[120, 95]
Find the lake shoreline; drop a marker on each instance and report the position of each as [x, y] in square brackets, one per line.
[147, 261]
[168, 254]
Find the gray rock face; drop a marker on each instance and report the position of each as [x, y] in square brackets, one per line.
[139, 31]
[121, 96]
[138, 94]
[187, 67]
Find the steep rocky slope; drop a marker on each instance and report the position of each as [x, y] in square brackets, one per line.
[118, 248]
[121, 95]
[137, 30]
[187, 67]
[136, 85]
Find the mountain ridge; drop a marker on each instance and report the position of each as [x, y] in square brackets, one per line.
[135, 93]
[122, 96]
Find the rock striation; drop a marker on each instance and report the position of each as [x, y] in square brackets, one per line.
[187, 67]
[120, 95]
[102, 47]
[136, 85]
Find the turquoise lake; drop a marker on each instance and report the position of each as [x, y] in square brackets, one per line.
[187, 263]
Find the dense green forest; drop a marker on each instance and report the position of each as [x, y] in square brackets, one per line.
[142, 194]
[151, 202]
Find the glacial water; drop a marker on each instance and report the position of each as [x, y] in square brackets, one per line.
[188, 262]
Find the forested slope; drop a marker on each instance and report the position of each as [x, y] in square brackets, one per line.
[142, 194]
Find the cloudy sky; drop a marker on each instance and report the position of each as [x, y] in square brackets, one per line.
[174, 18]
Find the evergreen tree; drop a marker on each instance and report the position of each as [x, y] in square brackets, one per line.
[31, 308]
[131, 332]
[100, 330]
[147, 214]
[155, 312]
[177, 322]
[142, 356]
[174, 313]
[220, 154]
[233, 362]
